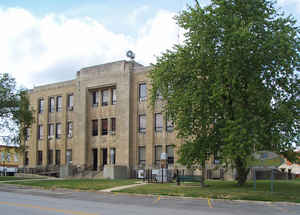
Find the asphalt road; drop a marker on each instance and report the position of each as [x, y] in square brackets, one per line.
[28, 201]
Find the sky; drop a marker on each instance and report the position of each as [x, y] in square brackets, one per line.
[45, 41]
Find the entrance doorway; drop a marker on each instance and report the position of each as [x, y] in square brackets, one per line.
[95, 159]
[104, 156]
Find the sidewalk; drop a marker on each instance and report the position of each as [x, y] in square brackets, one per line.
[31, 179]
[122, 187]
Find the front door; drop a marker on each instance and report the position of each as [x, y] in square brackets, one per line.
[104, 157]
[95, 159]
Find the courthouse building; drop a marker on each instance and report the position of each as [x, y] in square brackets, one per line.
[103, 116]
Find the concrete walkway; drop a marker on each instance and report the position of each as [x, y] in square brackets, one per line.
[31, 179]
[122, 187]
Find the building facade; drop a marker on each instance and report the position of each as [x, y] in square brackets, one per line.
[101, 117]
[9, 160]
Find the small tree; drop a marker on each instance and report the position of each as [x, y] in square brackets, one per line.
[232, 85]
[15, 114]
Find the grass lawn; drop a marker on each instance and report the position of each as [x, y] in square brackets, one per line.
[287, 191]
[78, 184]
[11, 178]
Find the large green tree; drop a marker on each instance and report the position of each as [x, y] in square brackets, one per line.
[15, 114]
[232, 86]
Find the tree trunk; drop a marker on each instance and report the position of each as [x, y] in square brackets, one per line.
[203, 174]
[242, 171]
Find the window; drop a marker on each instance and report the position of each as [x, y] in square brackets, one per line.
[51, 104]
[95, 98]
[69, 156]
[95, 127]
[142, 123]
[142, 155]
[113, 156]
[41, 105]
[113, 125]
[113, 96]
[57, 157]
[3, 156]
[70, 129]
[58, 104]
[104, 126]
[158, 95]
[50, 156]
[70, 102]
[39, 157]
[16, 157]
[142, 92]
[104, 97]
[158, 122]
[169, 125]
[158, 151]
[8, 156]
[58, 130]
[170, 154]
[26, 160]
[26, 135]
[40, 132]
[216, 158]
[50, 131]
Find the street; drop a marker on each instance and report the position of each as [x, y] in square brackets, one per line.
[29, 201]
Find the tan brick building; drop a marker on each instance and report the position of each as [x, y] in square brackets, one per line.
[101, 117]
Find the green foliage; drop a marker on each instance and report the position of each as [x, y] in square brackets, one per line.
[232, 86]
[15, 114]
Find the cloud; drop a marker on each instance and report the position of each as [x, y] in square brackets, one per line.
[40, 50]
